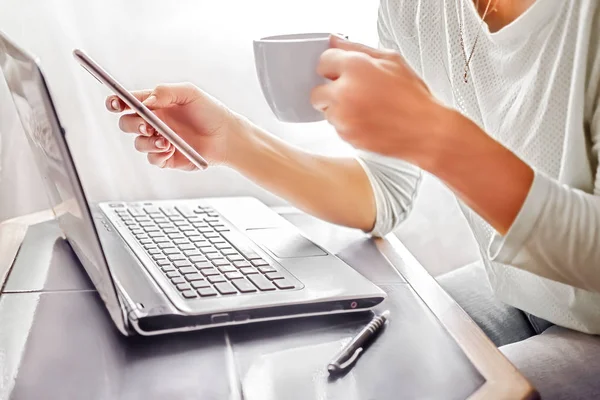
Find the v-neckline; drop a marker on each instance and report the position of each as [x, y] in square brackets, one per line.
[524, 25]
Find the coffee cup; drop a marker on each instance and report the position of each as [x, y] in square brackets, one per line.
[287, 71]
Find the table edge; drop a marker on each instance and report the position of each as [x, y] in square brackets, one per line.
[503, 380]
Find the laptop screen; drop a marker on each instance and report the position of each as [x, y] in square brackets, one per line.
[65, 193]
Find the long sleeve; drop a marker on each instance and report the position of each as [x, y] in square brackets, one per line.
[557, 231]
[395, 183]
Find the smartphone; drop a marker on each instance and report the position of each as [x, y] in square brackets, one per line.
[138, 107]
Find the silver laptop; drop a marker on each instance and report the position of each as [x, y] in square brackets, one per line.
[164, 266]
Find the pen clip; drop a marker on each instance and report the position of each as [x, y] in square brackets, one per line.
[351, 359]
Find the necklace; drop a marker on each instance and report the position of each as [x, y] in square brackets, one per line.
[462, 41]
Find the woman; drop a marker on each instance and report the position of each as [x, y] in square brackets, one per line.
[500, 99]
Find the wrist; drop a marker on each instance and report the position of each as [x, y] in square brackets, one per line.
[452, 137]
[240, 142]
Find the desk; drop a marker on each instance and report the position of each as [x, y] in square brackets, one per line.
[57, 341]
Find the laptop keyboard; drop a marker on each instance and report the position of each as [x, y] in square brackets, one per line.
[199, 254]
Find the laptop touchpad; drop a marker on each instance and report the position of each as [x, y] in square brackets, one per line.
[285, 242]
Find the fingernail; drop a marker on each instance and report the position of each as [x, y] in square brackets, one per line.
[115, 104]
[161, 143]
[150, 100]
[142, 129]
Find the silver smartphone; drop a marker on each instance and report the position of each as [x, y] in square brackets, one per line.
[137, 106]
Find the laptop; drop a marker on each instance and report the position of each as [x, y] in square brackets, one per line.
[180, 265]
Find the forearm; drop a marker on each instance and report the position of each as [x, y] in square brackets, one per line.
[483, 173]
[334, 189]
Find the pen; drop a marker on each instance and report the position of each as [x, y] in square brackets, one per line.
[349, 354]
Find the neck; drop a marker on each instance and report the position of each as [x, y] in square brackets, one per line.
[502, 12]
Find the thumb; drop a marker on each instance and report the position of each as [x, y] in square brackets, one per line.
[338, 42]
[164, 96]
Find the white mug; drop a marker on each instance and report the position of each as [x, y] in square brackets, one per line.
[287, 71]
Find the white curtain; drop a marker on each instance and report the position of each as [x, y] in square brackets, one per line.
[143, 43]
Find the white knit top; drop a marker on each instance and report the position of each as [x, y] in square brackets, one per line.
[535, 87]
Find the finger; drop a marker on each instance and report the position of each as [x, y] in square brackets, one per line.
[321, 97]
[331, 63]
[132, 123]
[179, 161]
[153, 144]
[114, 104]
[161, 160]
[338, 42]
[164, 96]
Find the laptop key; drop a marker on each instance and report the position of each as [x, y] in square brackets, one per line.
[220, 262]
[162, 262]
[168, 268]
[213, 256]
[243, 286]
[171, 230]
[202, 265]
[274, 275]
[136, 212]
[216, 279]
[191, 253]
[222, 245]
[230, 252]
[137, 231]
[217, 240]
[225, 288]
[184, 263]
[248, 270]
[187, 229]
[147, 223]
[160, 220]
[266, 268]
[196, 238]
[259, 262]
[206, 292]
[165, 245]
[189, 294]
[235, 257]
[186, 246]
[209, 271]
[221, 229]
[283, 284]
[175, 235]
[145, 241]
[160, 239]
[188, 269]
[182, 286]
[181, 241]
[152, 229]
[198, 258]
[227, 268]
[200, 284]
[176, 257]
[154, 252]
[171, 250]
[234, 275]
[193, 277]
[241, 264]
[158, 256]
[261, 282]
[155, 235]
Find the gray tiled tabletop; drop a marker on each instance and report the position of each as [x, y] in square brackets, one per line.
[57, 341]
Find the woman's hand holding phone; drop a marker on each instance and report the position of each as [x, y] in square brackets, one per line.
[203, 122]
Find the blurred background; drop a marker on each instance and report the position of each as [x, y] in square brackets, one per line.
[207, 42]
